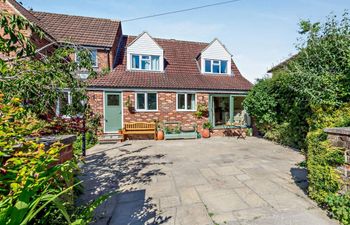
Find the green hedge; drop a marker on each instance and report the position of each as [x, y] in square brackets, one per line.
[308, 94]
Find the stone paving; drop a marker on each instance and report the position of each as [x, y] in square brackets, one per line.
[198, 182]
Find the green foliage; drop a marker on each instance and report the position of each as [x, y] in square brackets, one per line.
[308, 94]
[339, 207]
[202, 110]
[91, 140]
[34, 188]
[207, 125]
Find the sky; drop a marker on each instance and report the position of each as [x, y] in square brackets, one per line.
[258, 33]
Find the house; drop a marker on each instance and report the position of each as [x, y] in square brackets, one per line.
[150, 78]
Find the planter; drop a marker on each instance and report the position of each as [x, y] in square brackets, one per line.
[120, 131]
[206, 133]
[160, 135]
[131, 109]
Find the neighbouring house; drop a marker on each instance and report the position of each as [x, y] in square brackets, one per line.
[150, 79]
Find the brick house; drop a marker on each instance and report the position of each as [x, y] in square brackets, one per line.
[150, 78]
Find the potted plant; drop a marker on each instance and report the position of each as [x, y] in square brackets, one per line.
[206, 129]
[160, 132]
[128, 104]
[120, 131]
[202, 110]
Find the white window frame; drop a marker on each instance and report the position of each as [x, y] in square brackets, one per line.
[146, 102]
[186, 110]
[58, 113]
[96, 61]
[212, 66]
[140, 62]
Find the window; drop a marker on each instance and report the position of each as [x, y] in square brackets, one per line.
[112, 100]
[186, 102]
[215, 66]
[63, 103]
[93, 53]
[146, 102]
[145, 62]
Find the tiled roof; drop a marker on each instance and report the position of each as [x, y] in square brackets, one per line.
[78, 29]
[181, 71]
[28, 15]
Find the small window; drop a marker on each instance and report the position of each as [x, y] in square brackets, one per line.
[113, 100]
[146, 101]
[135, 61]
[186, 102]
[93, 53]
[215, 66]
[208, 66]
[63, 103]
[141, 101]
[145, 62]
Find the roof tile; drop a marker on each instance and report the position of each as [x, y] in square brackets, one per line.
[79, 29]
[181, 71]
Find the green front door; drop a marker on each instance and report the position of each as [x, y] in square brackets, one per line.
[113, 112]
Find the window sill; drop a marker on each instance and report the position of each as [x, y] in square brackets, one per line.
[146, 110]
[150, 71]
[182, 110]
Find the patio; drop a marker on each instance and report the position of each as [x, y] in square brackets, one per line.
[206, 181]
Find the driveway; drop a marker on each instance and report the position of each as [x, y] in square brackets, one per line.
[197, 182]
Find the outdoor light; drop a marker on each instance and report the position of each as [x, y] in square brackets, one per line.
[83, 140]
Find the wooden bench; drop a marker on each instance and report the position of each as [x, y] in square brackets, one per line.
[139, 128]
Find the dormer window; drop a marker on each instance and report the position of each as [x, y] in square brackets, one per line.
[145, 62]
[215, 66]
[215, 59]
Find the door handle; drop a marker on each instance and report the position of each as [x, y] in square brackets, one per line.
[106, 120]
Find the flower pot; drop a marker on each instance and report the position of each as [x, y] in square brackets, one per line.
[120, 131]
[206, 133]
[160, 135]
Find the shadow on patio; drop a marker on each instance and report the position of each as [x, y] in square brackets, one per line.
[123, 171]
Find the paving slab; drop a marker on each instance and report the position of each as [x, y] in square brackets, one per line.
[199, 182]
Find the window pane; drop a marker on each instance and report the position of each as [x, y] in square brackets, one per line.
[145, 63]
[216, 66]
[190, 101]
[152, 101]
[223, 66]
[155, 62]
[181, 101]
[140, 101]
[64, 103]
[135, 62]
[207, 66]
[113, 100]
[94, 57]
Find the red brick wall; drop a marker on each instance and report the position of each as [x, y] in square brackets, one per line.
[96, 103]
[166, 110]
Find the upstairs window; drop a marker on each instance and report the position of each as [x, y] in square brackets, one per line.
[93, 55]
[216, 66]
[145, 62]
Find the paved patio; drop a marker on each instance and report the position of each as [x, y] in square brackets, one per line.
[199, 182]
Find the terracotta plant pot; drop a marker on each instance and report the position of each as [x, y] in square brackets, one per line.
[160, 135]
[206, 133]
[120, 131]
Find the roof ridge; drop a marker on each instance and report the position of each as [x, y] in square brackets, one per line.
[62, 14]
[170, 39]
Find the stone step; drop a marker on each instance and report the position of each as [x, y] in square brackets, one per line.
[110, 138]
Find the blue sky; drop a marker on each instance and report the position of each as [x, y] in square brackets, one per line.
[259, 33]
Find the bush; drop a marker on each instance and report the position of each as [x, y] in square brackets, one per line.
[310, 93]
[34, 188]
